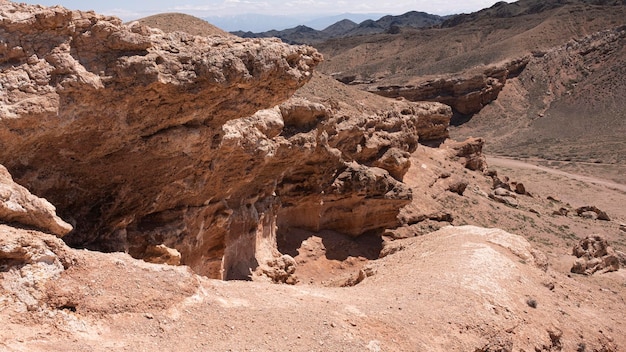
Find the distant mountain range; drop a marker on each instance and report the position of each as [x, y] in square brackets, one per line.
[261, 23]
[303, 34]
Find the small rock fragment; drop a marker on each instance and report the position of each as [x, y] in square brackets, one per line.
[161, 254]
[520, 189]
[458, 187]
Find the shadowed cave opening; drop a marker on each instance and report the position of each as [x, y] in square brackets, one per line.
[336, 246]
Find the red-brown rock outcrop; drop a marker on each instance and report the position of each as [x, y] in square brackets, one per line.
[594, 255]
[469, 153]
[121, 126]
[143, 138]
[18, 205]
[466, 94]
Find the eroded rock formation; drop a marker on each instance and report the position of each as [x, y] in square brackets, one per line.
[18, 205]
[143, 138]
[467, 94]
[594, 255]
[469, 153]
[28, 259]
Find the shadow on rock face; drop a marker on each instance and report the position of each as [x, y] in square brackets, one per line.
[336, 246]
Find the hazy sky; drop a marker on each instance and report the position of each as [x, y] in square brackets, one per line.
[133, 9]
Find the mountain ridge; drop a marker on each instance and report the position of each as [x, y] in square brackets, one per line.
[303, 34]
[261, 23]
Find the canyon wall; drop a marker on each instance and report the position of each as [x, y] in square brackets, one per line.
[144, 138]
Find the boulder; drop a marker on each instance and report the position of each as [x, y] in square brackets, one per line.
[561, 212]
[458, 187]
[510, 201]
[592, 212]
[594, 255]
[502, 192]
[504, 196]
[500, 183]
[161, 254]
[28, 260]
[520, 188]
[469, 152]
[278, 270]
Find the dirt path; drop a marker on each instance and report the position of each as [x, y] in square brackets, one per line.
[506, 162]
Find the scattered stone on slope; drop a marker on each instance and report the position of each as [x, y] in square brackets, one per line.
[561, 212]
[520, 188]
[505, 183]
[18, 205]
[506, 199]
[594, 255]
[592, 212]
[502, 192]
[501, 183]
[458, 187]
[469, 152]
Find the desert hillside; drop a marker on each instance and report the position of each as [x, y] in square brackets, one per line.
[162, 190]
[170, 22]
[548, 75]
[482, 39]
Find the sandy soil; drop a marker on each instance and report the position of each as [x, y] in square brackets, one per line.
[518, 164]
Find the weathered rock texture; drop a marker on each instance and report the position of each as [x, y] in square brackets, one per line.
[18, 205]
[469, 153]
[594, 255]
[28, 259]
[466, 94]
[143, 138]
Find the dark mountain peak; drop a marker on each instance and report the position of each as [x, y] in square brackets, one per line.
[340, 28]
[304, 29]
[369, 24]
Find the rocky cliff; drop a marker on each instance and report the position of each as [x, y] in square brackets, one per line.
[565, 105]
[466, 93]
[144, 138]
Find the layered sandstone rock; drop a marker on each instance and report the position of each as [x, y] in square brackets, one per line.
[146, 139]
[467, 94]
[18, 205]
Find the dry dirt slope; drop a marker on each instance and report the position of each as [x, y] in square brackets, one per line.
[566, 106]
[415, 299]
[483, 40]
[170, 22]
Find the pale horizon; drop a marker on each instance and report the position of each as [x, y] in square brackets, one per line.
[130, 10]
